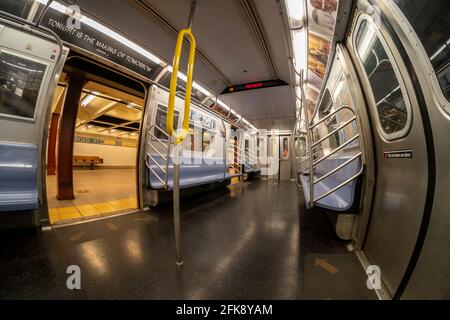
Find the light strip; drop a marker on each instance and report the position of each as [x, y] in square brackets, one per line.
[86, 100]
[197, 86]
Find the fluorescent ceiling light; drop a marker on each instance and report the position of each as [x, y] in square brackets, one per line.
[299, 46]
[87, 99]
[94, 24]
[295, 12]
[197, 86]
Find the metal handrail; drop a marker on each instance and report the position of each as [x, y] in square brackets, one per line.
[340, 185]
[355, 137]
[154, 173]
[333, 132]
[157, 151]
[331, 114]
[342, 146]
[156, 162]
[312, 148]
[165, 169]
[338, 168]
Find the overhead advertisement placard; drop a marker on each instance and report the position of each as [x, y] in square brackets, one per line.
[96, 41]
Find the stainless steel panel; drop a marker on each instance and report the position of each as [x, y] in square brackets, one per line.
[401, 184]
[430, 278]
[32, 46]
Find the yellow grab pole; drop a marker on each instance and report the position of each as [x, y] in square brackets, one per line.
[179, 137]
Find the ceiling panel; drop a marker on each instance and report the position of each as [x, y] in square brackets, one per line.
[272, 19]
[264, 108]
[222, 32]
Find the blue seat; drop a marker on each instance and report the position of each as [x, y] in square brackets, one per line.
[18, 177]
[248, 167]
[343, 198]
[193, 172]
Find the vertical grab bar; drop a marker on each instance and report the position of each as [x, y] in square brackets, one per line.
[179, 137]
[309, 143]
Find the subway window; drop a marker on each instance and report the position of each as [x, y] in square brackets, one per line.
[432, 25]
[207, 141]
[393, 111]
[19, 8]
[20, 83]
[161, 118]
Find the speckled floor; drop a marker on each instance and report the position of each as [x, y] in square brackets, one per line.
[253, 241]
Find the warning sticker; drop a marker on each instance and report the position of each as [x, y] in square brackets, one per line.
[402, 154]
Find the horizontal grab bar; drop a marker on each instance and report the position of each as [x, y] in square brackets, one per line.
[156, 162]
[156, 175]
[336, 150]
[341, 185]
[330, 115]
[160, 154]
[338, 168]
[333, 132]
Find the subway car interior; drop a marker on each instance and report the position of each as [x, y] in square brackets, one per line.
[224, 150]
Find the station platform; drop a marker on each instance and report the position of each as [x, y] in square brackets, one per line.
[249, 241]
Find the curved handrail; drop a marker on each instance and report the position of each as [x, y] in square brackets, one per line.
[179, 137]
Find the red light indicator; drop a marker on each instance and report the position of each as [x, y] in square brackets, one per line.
[254, 85]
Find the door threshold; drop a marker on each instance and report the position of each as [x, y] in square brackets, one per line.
[73, 223]
[382, 292]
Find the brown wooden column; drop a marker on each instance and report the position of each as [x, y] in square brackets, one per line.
[64, 174]
[53, 134]
[51, 150]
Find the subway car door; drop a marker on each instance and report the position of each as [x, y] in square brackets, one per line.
[399, 148]
[30, 63]
[285, 160]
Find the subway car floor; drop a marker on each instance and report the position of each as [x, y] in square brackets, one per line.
[250, 241]
[90, 200]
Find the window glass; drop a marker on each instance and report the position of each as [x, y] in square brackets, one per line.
[208, 143]
[257, 147]
[18, 8]
[285, 148]
[390, 103]
[181, 87]
[20, 82]
[431, 21]
[196, 134]
[161, 118]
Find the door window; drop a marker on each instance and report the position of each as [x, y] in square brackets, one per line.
[392, 107]
[20, 83]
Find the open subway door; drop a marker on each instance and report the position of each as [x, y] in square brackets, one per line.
[30, 62]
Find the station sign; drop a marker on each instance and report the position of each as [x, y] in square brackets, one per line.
[95, 41]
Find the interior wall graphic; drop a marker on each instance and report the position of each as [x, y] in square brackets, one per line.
[321, 22]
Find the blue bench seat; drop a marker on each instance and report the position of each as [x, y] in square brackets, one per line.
[192, 174]
[18, 177]
[342, 199]
[250, 167]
